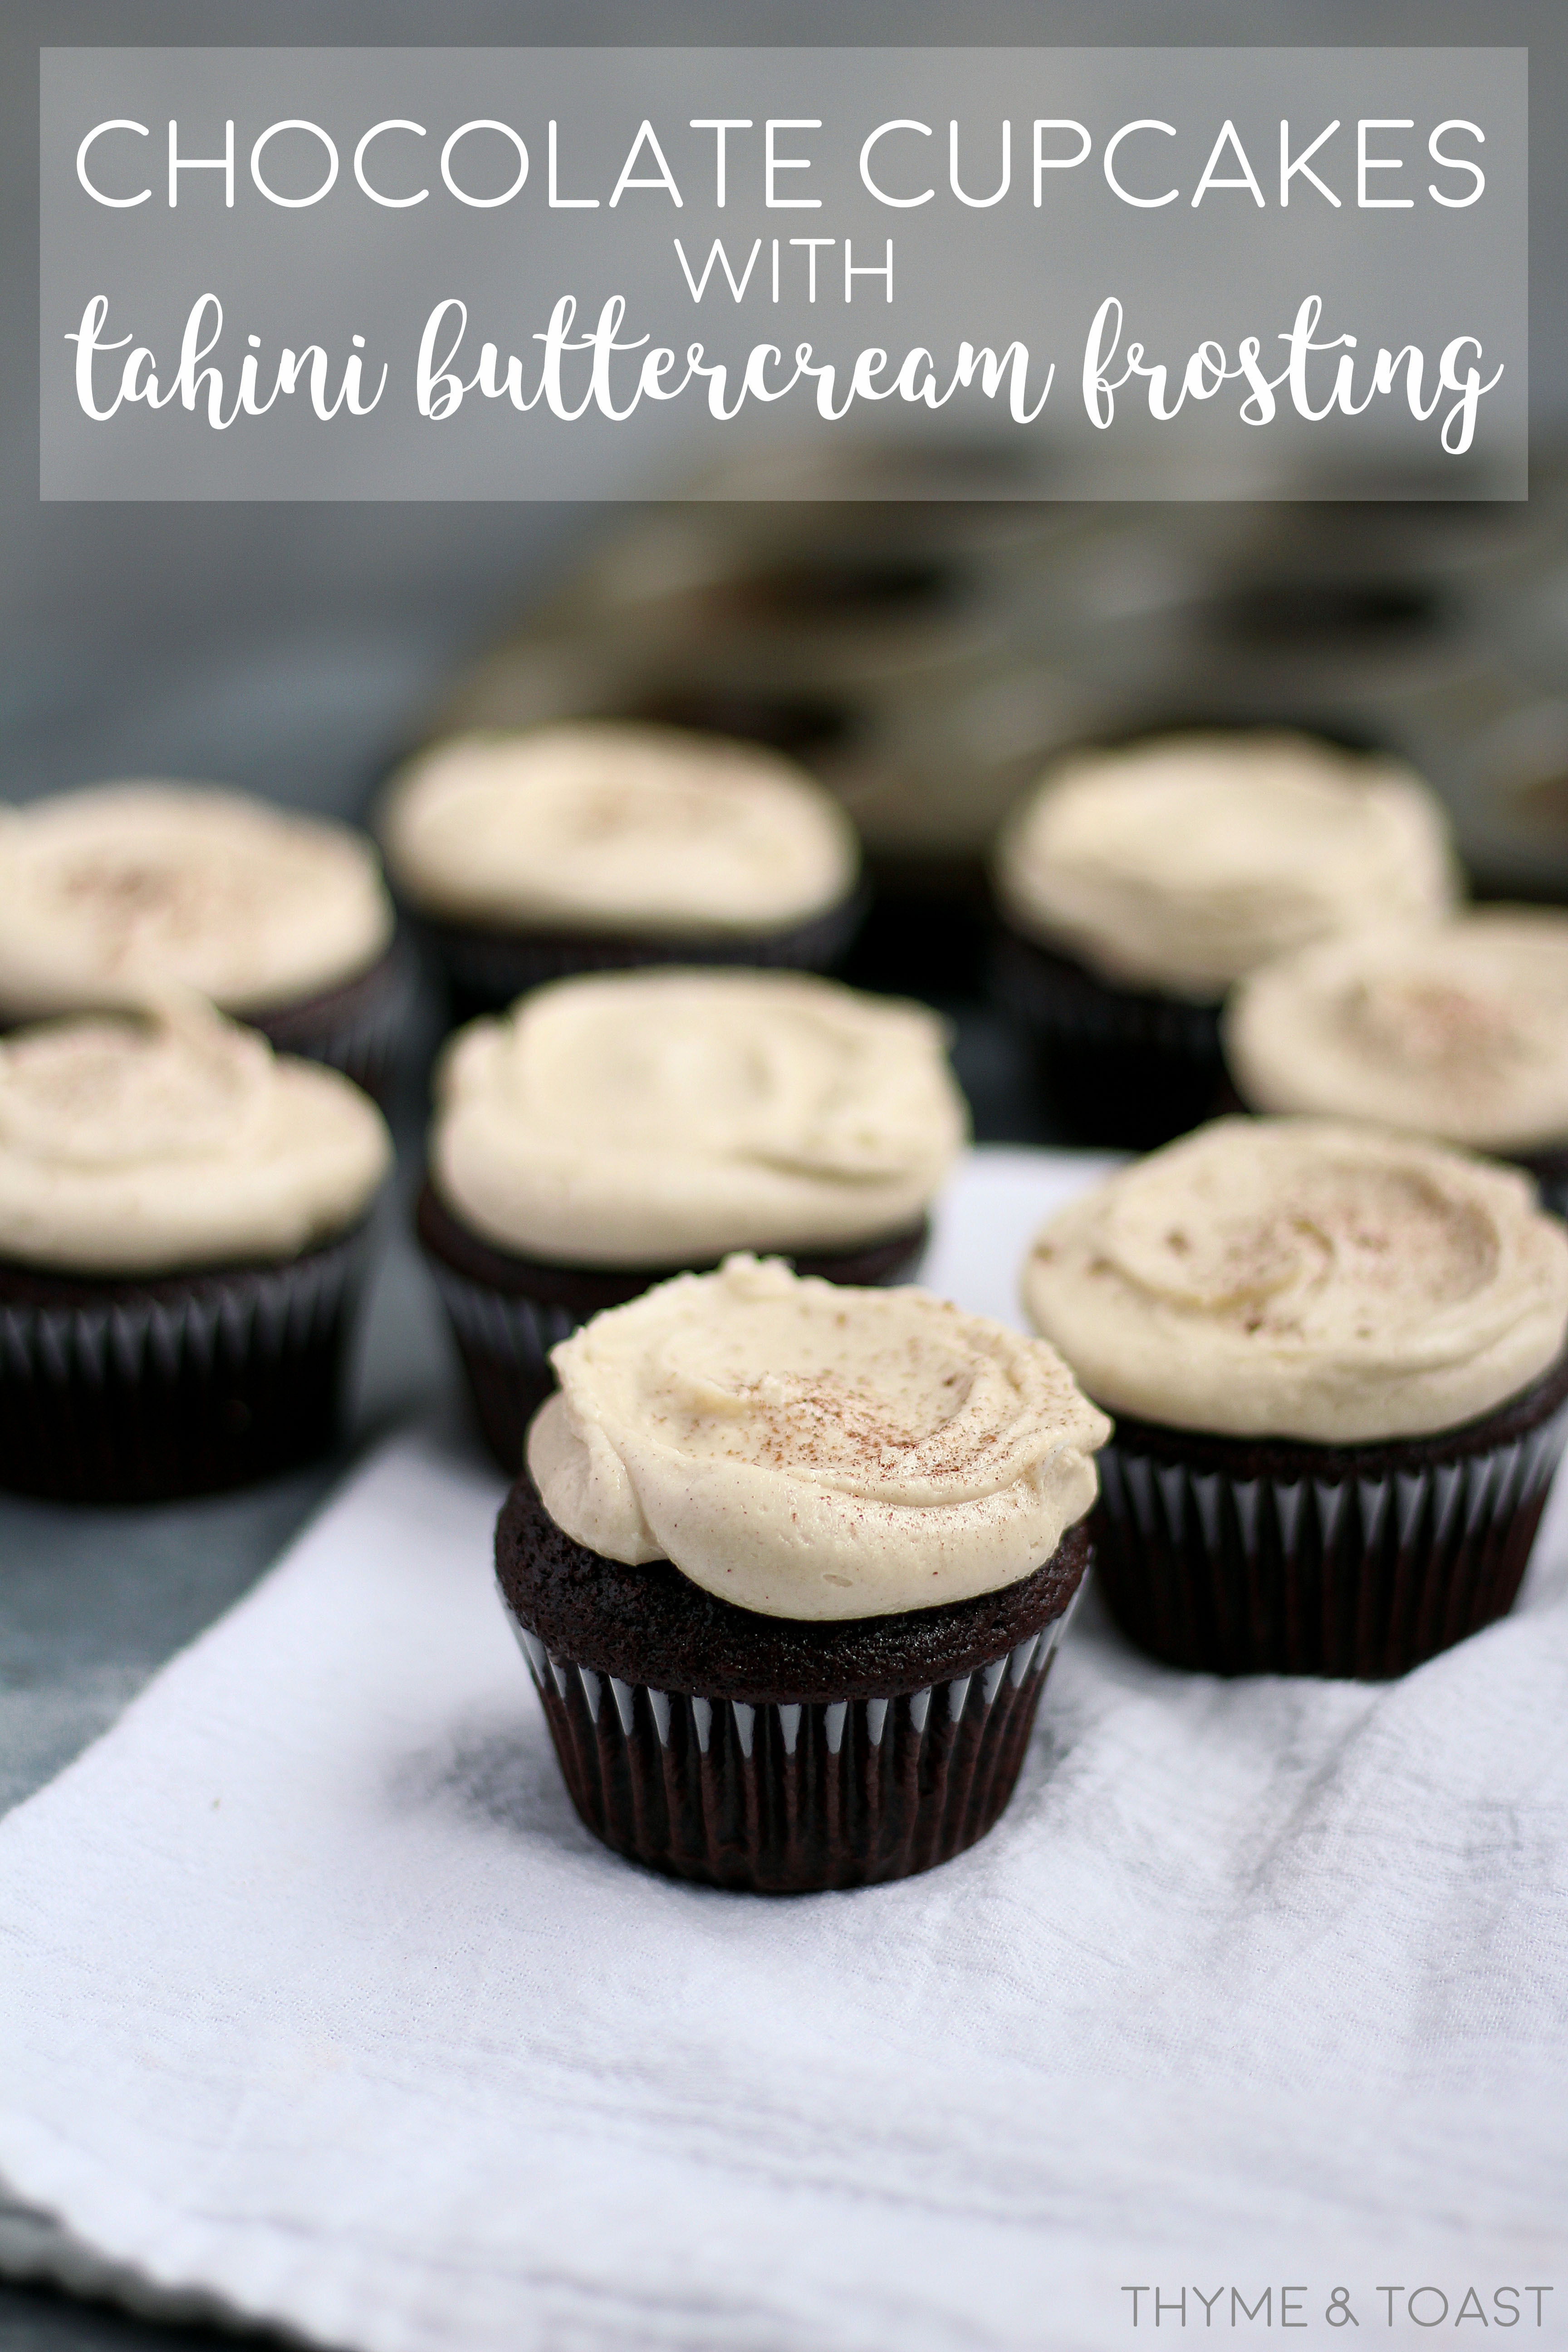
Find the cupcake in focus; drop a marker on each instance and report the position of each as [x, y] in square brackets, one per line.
[614, 1130]
[602, 846]
[1336, 1360]
[789, 1563]
[281, 921]
[182, 1229]
[1458, 1031]
[1137, 884]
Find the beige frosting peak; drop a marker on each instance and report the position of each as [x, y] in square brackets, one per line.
[171, 1139]
[809, 1451]
[662, 1118]
[119, 888]
[1458, 1031]
[1303, 1279]
[610, 826]
[1181, 863]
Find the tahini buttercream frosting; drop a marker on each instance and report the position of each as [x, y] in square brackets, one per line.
[110, 891]
[1180, 864]
[1459, 1031]
[655, 1118]
[1303, 1279]
[614, 827]
[812, 1452]
[175, 1139]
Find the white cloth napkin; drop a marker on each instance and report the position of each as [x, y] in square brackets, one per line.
[317, 2006]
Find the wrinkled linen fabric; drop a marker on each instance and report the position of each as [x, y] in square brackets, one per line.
[319, 2008]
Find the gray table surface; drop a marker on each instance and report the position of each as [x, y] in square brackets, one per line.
[92, 1602]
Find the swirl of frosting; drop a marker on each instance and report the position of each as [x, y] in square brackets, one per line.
[1303, 1278]
[171, 1140]
[608, 826]
[1181, 863]
[1458, 1031]
[809, 1451]
[652, 1118]
[119, 888]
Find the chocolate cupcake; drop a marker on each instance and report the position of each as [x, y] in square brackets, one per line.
[280, 920]
[182, 1229]
[1458, 1030]
[602, 846]
[1335, 1356]
[1136, 884]
[789, 1564]
[616, 1129]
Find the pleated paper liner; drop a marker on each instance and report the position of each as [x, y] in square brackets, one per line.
[488, 968]
[1235, 1557]
[355, 1028]
[768, 1755]
[506, 1312]
[130, 1391]
[1119, 1067]
[795, 1796]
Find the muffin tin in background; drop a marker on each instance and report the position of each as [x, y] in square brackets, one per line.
[926, 658]
[873, 644]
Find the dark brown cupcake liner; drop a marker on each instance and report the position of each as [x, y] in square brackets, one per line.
[355, 1028]
[1550, 1170]
[122, 1392]
[772, 1754]
[504, 1346]
[486, 968]
[1234, 1557]
[793, 1796]
[1120, 1066]
[508, 1312]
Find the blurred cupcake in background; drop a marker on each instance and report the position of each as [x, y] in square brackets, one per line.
[1137, 884]
[789, 1563]
[1458, 1030]
[602, 846]
[1336, 1359]
[182, 1232]
[281, 921]
[615, 1128]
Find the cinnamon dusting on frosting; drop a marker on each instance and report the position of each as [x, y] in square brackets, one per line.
[811, 1452]
[1181, 863]
[172, 1139]
[1303, 1279]
[651, 1118]
[610, 826]
[1458, 1030]
[118, 888]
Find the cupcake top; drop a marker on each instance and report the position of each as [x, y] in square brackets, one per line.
[809, 1451]
[619, 828]
[1458, 1031]
[1305, 1279]
[1181, 863]
[110, 891]
[651, 1118]
[172, 1140]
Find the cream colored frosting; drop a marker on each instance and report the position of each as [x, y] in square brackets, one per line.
[175, 1139]
[807, 1451]
[110, 891]
[1181, 863]
[1459, 1031]
[662, 1118]
[1303, 1279]
[608, 826]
